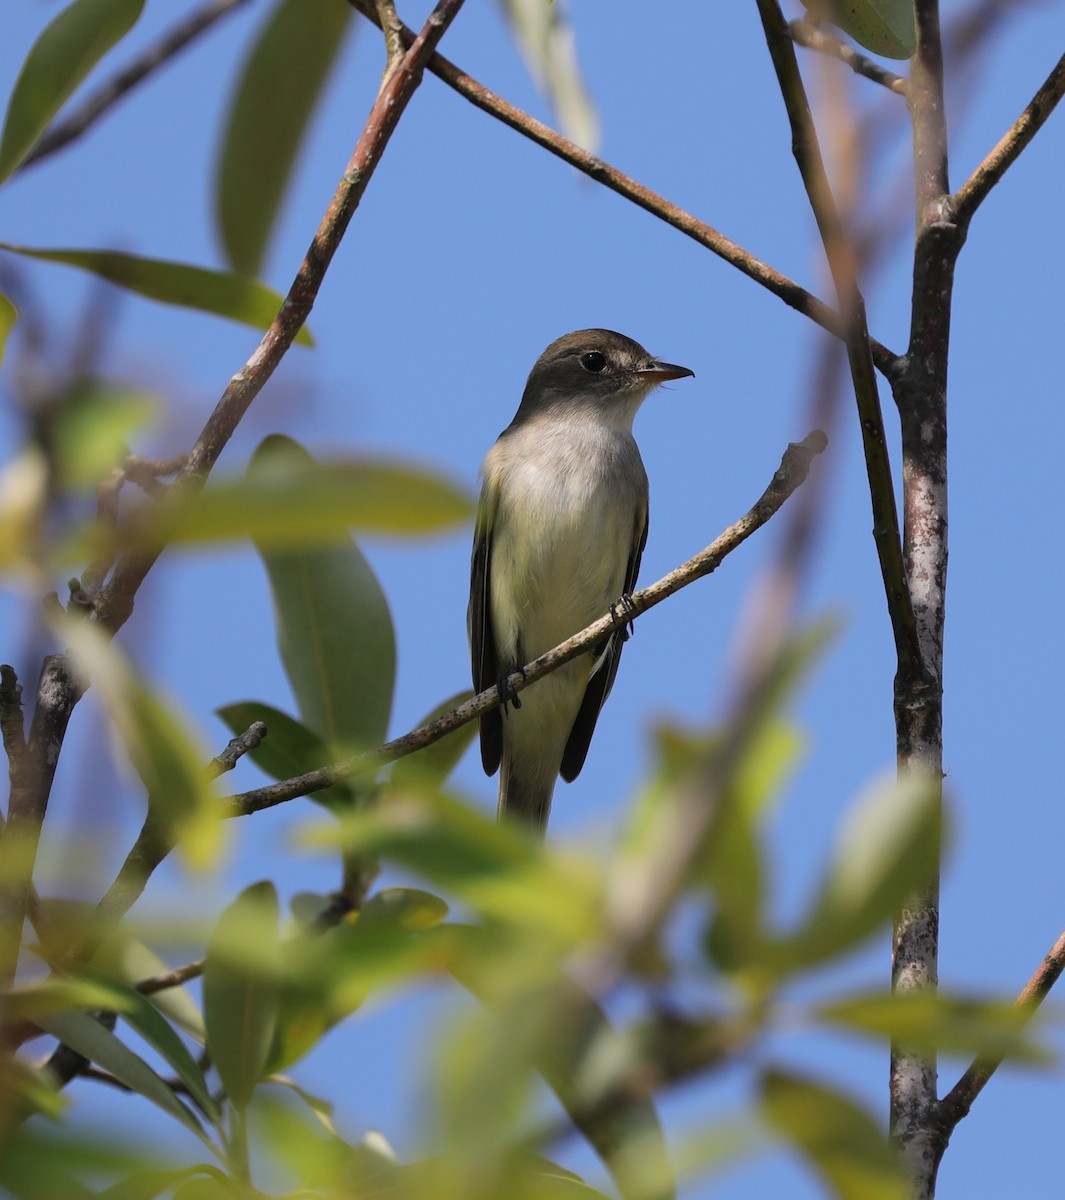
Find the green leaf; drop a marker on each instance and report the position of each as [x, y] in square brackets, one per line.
[66, 51]
[92, 425]
[8, 317]
[242, 990]
[546, 1020]
[289, 749]
[276, 94]
[148, 1183]
[137, 1011]
[121, 956]
[223, 293]
[928, 1021]
[884, 27]
[840, 1140]
[431, 766]
[545, 36]
[287, 503]
[334, 629]
[159, 742]
[887, 849]
[86, 1036]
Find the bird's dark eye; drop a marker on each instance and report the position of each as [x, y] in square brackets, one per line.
[593, 361]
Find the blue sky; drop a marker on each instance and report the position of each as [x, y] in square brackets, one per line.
[471, 251]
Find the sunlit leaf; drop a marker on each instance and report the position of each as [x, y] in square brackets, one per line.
[334, 629]
[86, 1036]
[241, 990]
[23, 490]
[929, 1021]
[888, 847]
[288, 506]
[8, 317]
[883, 27]
[223, 293]
[165, 751]
[431, 766]
[92, 425]
[545, 35]
[65, 52]
[841, 1141]
[275, 96]
[289, 749]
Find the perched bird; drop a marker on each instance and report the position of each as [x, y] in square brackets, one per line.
[561, 526]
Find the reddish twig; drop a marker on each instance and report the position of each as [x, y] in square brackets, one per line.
[807, 34]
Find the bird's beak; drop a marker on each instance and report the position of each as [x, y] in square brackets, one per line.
[659, 372]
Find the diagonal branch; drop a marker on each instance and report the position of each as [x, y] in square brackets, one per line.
[807, 34]
[515, 118]
[98, 102]
[977, 187]
[856, 335]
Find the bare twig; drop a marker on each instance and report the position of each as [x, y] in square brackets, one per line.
[976, 188]
[250, 739]
[789, 476]
[841, 263]
[956, 1104]
[95, 105]
[772, 280]
[171, 979]
[807, 34]
[391, 27]
[11, 719]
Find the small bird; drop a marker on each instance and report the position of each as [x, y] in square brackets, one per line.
[561, 527]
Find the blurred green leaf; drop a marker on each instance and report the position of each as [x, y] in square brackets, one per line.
[67, 49]
[500, 868]
[92, 426]
[334, 629]
[148, 1183]
[543, 1019]
[241, 990]
[884, 27]
[50, 1166]
[275, 96]
[86, 1036]
[223, 293]
[31, 1088]
[138, 1012]
[32, 1000]
[122, 956]
[310, 1150]
[887, 849]
[289, 504]
[8, 317]
[545, 36]
[403, 908]
[930, 1021]
[432, 765]
[160, 744]
[23, 490]
[289, 749]
[841, 1141]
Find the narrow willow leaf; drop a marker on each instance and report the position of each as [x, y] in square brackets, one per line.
[930, 1021]
[241, 990]
[289, 749]
[225, 294]
[8, 317]
[431, 766]
[122, 956]
[545, 35]
[66, 51]
[159, 742]
[137, 1011]
[841, 1141]
[883, 27]
[86, 1036]
[56, 996]
[275, 97]
[287, 506]
[334, 628]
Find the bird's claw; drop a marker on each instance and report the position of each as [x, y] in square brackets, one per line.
[507, 695]
[625, 605]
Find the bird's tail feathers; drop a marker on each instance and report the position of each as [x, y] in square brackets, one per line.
[525, 794]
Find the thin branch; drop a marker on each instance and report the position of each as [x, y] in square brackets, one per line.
[12, 722]
[976, 188]
[789, 476]
[171, 979]
[250, 739]
[956, 1104]
[840, 257]
[807, 34]
[98, 102]
[781, 286]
